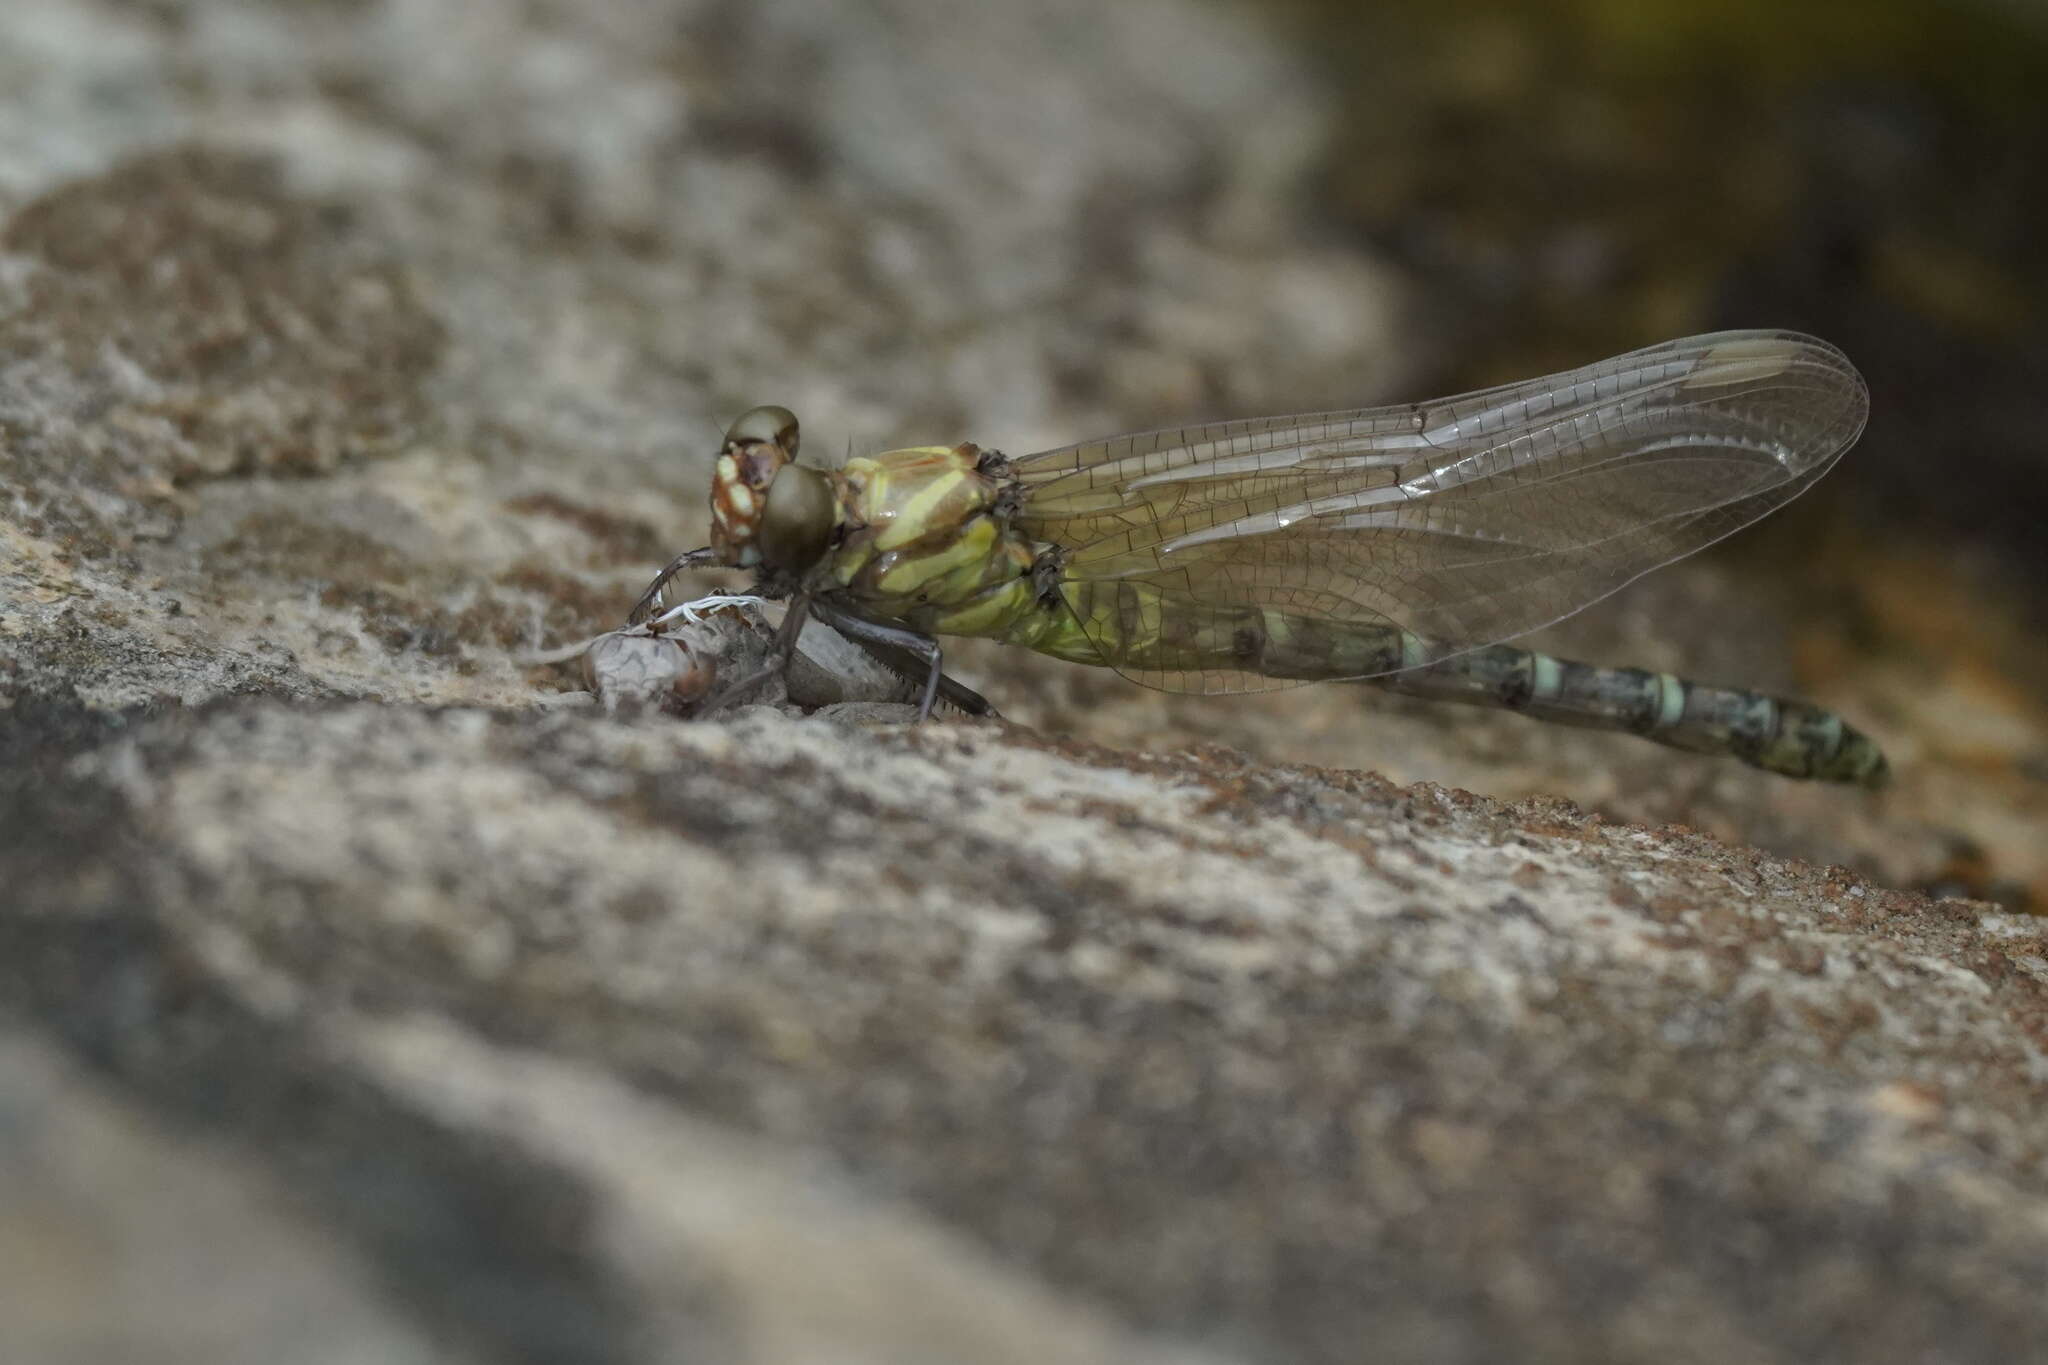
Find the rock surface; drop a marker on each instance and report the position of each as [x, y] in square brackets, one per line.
[120, 1242]
[350, 355]
[774, 1040]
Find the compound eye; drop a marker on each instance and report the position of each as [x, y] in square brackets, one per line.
[769, 425]
[796, 525]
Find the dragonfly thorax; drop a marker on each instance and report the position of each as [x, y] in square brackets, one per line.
[767, 510]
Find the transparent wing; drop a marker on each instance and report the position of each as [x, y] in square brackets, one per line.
[1464, 520]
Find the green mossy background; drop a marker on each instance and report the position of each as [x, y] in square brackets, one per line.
[1573, 178]
[1667, 150]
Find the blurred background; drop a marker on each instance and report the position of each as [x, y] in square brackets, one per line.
[1568, 179]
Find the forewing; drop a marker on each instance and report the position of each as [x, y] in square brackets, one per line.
[1464, 520]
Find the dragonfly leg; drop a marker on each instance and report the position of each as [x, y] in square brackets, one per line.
[904, 650]
[778, 657]
[966, 698]
[654, 598]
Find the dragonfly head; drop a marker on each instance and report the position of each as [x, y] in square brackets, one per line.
[766, 509]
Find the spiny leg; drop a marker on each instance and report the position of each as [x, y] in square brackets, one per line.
[883, 640]
[653, 600]
[965, 698]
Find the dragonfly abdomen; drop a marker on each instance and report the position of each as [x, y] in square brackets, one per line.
[1791, 738]
[1134, 628]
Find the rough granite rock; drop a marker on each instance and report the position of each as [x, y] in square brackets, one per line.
[350, 355]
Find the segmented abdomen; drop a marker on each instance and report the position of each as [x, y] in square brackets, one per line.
[1132, 628]
[1780, 735]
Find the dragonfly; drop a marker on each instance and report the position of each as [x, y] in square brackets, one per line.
[1398, 545]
